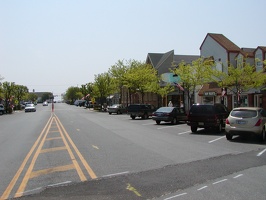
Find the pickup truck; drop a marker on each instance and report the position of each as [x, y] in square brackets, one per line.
[140, 110]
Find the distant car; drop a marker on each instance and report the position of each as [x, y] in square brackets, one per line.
[79, 103]
[117, 108]
[140, 110]
[169, 114]
[246, 120]
[45, 103]
[2, 109]
[30, 108]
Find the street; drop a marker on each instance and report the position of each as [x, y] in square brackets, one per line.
[75, 152]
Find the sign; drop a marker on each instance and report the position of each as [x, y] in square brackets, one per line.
[210, 93]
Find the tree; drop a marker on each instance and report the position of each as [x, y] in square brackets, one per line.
[8, 94]
[20, 91]
[72, 94]
[139, 78]
[163, 91]
[118, 72]
[46, 96]
[194, 75]
[32, 97]
[240, 79]
[103, 87]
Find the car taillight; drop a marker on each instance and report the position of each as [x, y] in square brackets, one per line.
[258, 122]
[227, 121]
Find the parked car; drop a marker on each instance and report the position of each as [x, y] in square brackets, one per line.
[117, 108]
[79, 103]
[30, 108]
[140, 110]
[246, 120]
[169, 114]
[45, 103]
[207, 116]
[2, 109]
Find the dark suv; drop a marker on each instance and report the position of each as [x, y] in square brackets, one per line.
[207, 116]
[140, 110]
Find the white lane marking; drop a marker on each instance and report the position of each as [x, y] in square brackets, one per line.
[238, 176]
[184, 132]
[116, 174]
[165, 127]
[216, 139]
[29, 191]
[175, 196]
[40, 188]
[262, 152]
[202, 188]
[57, 184]
[219, 181]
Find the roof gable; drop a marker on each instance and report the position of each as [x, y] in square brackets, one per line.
[227, 44]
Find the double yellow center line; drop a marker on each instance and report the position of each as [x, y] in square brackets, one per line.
[38, 149]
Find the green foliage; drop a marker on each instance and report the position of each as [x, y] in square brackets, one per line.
[72, 94]
[194, 74]
[32, 97]
[103, 86]
[240, 78]
[20, 92]
[46, 96]
[140, 77]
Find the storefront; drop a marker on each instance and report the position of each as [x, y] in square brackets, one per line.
[210, 93]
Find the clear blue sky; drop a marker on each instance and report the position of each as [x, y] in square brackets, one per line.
[51, 45]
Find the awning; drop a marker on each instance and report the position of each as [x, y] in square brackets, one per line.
[210, 89]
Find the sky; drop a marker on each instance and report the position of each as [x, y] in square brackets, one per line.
[52, 45]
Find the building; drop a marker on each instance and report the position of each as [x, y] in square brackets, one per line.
[225, 52]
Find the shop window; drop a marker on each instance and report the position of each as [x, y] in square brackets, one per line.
[242, 101]
[208, 100]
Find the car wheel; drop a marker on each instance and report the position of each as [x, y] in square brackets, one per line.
[110, 113]
[1, 112]
[229, 136]
[263, 135]
[132, 117]
[219, 128]
[174, 121]
[158, 122]
[194, 129]
[145, 116]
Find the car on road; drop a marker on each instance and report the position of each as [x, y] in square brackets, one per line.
[207, 116]
[140, 110]
[117, 108]
[169, 114]
[2, 109]
[246, 120]
[30, 108]
[45, 103]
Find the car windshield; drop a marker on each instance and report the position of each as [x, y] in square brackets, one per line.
[165, 109]
[29, 105]
[115, 106]
[244, 113]
[202, 109]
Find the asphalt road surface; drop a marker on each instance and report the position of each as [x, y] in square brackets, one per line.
[77, 153]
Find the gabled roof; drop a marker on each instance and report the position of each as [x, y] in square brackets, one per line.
[247, 52]
[154, 58]
[263, 48]
[158, 59]
[185, 58]
[223, 41]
